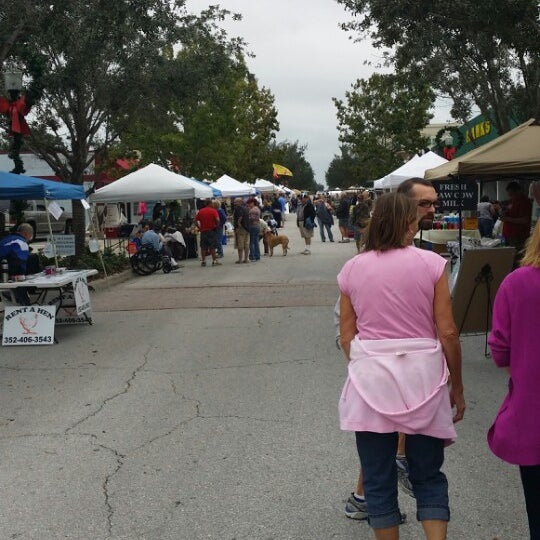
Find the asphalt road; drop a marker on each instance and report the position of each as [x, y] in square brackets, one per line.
[202, 404]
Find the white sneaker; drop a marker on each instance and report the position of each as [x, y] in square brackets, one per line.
[306, 252]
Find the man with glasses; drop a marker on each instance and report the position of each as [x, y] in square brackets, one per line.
[423, 192]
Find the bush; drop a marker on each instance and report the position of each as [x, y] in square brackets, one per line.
[114, 262]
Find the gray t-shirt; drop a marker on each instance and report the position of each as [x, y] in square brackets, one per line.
[484, 210]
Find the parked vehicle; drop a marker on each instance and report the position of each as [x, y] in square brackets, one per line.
[36, 215]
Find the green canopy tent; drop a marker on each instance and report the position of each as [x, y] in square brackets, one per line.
[516, 153]
[512, 155]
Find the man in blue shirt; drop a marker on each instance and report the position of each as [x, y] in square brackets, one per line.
[14, 248]
[151, 238]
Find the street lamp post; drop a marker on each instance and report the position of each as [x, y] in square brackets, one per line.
[16, 108]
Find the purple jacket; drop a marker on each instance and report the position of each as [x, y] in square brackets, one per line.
[515, 342]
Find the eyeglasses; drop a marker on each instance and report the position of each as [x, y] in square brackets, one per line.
[425, 203]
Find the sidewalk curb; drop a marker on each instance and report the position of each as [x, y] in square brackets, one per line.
[104, 283]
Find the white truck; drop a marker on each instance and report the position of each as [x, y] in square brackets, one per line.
[36, 215]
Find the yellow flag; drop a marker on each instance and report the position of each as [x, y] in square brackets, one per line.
[280, 170]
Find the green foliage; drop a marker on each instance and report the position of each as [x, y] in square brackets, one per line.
[345, 170]
[477, 53]
[292, 156]
[380, 118]
[113, 262]
[222, 121]
[229, 132]
[100, 68]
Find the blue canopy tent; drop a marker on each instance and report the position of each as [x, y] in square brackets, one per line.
[215, 192]
[18, 186]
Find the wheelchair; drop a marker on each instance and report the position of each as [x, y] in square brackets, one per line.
[147, 260]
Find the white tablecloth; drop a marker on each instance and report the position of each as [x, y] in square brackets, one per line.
[442, 236]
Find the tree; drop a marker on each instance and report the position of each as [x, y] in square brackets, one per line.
[104, 66]
[344, 170]
[476, 53]
[229, 131]
[381, 118]
[292, 156]
[18, 20]
[222, 124]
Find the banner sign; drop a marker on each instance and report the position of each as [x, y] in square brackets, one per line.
[55, 210]
[28, 325]
[65, 244]
[453, 195]
[82, 295]
[66, 308]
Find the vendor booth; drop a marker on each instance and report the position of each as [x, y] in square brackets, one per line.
[414, 168]
[514, 155]
[57, 295]
[230, 187]
[265, 186]
[517, 152]
[20, 187]
[150, 183]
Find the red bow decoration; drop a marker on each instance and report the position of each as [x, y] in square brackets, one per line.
[16, 110]
[449, 152]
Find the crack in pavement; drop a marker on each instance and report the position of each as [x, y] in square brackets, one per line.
[234, 366]
[118, 456]
[126, 389]
[105, 485]
[29, 435]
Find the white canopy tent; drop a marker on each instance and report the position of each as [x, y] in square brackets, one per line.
[230, 187]
[285, 189]
[151, 183]
[415, 167]
[202, 190]
[265, 186]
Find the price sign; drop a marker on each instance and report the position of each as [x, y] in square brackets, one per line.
[65, 244]
[29, 325]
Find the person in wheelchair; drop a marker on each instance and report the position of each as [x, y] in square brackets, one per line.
[173, 245]
[151, 239]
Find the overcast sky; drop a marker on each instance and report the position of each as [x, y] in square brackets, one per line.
[305, 59]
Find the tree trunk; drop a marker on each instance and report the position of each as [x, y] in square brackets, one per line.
[79, 228]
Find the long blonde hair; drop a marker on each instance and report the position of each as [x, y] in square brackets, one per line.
[532, 249]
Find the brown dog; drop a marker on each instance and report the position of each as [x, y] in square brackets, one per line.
[274, 241]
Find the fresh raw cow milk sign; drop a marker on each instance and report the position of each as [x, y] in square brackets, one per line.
[452, 195]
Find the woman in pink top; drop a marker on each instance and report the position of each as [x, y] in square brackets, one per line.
[515, 345]
[399, 335]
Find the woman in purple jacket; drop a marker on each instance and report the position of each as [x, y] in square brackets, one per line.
[515, 345]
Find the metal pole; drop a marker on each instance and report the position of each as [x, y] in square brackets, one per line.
[51, 236]
[460, 213]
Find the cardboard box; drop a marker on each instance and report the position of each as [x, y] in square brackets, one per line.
[470, 223]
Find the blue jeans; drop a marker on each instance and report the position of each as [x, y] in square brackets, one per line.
[219, 247]
[322, 227]
[254, 248]
[425, 456]
[485, 227]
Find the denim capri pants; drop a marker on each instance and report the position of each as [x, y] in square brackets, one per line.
[425, 456]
